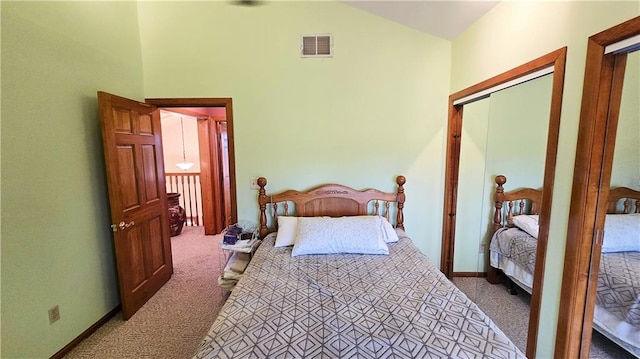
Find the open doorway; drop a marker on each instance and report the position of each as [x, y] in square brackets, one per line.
[199, 159]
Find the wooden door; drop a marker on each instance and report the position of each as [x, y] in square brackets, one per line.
[209, 176]
[223, 142]
[139, 213]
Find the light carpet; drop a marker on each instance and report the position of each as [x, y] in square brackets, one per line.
[174, 321]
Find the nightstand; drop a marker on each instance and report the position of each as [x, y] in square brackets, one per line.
[234, 260]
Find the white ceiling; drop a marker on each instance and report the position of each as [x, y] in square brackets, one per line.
[441, 18]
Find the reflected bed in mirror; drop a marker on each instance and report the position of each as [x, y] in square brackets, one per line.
[618, 294]
[616, 312]
[513, 250]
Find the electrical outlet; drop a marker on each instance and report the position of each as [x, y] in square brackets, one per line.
[482, 248]
[254, 183]
[54, 314]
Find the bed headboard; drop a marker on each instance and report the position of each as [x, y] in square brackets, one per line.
[331, 200]
[631, 199]
[520, 201]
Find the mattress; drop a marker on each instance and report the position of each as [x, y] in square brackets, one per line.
[350, 306]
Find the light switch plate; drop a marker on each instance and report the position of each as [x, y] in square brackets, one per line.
[253, 184]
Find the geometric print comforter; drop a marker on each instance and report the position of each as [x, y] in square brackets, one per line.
[517, 245]
[350, 306]
[619, 285]
[618, 300]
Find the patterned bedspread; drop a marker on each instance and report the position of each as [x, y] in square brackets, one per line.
[517, 245]
[618, 302]
[619, 285]
[350, 306]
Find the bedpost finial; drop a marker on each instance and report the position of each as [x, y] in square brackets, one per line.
[262, 181]
[500, 180]
[401, 180]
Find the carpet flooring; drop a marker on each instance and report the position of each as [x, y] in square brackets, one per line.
[174, 321]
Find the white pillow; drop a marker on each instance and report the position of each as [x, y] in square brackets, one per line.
[528, 223]
[390, 234]
[621, 233]
[287, 228]
[326, 235]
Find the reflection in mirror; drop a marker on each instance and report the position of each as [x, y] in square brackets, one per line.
[601, 99]
[468, 260]
[504, 134]
[616, 322]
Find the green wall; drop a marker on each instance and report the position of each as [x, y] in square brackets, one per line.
[511, 34]
[473, 152]
[375, 110]
[56, 243]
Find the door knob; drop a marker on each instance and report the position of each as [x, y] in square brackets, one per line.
[122, 226]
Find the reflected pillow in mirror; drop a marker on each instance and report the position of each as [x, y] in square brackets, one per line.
[528, 223]
[621, 233]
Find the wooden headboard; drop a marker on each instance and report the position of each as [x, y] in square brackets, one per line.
[331, 200]
[525, 201]
[631, 199]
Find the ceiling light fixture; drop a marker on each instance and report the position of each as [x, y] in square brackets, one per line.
[184, 165]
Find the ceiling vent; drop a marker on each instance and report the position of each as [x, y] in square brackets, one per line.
[316, 46]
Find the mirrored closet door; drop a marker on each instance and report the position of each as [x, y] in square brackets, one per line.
[504, 134]
[510, 127]
[601, 282]
[616, 319]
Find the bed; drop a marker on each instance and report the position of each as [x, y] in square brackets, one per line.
[513, 247]
[346, 305]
